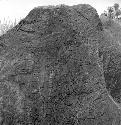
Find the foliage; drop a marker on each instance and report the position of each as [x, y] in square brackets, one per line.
[113, 12]
[116, 6]
[6, 25]
[110, 12]
[111, 52]
[117, 10]
[117, 13]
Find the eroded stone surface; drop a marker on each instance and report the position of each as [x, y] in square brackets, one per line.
[54, 64]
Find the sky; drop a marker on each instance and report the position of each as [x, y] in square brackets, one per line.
[18, 9]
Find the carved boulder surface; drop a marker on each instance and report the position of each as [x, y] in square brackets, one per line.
[51, 72]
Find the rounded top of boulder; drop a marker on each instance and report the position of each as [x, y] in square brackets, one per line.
[84, 10]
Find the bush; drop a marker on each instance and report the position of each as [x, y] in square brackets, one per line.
[6, 25]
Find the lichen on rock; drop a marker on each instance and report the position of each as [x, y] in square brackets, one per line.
[58, 71]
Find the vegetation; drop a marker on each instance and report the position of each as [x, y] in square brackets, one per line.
[6, 25]
[111, 15]
[110, 12]
[111, 51]
[113, 12]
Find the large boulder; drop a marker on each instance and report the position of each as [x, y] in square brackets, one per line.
[51, 72]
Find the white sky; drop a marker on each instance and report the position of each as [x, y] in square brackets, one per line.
[11, 9]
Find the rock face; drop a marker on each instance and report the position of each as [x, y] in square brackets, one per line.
[51, 73]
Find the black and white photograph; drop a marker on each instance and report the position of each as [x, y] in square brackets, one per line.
[60, 62]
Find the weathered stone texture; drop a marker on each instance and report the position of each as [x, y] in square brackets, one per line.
[51, 60]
